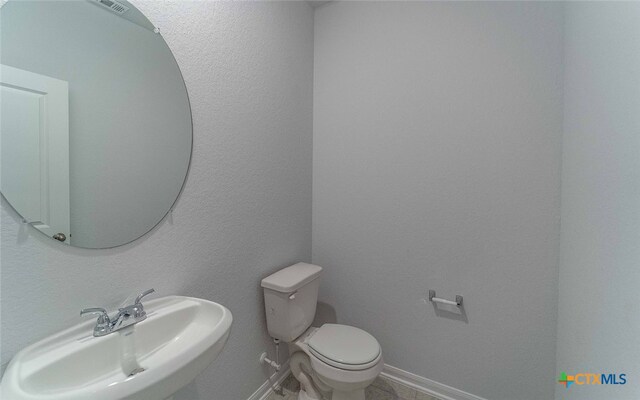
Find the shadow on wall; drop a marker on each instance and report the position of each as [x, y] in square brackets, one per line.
[188, 392]
[325, 314]
[450, 312]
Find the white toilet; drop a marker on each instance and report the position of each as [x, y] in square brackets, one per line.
[333, 361]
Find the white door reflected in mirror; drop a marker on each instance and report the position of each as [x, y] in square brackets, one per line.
[35, 149]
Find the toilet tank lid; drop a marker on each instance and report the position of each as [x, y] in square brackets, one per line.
[290, 279]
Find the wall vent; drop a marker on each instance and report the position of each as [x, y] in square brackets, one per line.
[113, 5]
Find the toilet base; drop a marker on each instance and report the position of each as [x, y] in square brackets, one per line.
[336, 395]
[302, 395]
[321, 381]
[352, 395]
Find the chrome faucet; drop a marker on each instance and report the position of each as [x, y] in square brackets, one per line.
[126, 316]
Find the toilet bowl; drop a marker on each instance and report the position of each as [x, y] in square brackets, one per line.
[333, 361]
[340, 359]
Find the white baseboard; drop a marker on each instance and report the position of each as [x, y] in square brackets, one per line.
[274, 380]
[414, 381]
[425, 385]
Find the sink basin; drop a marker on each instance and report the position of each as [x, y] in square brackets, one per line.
[150, 360]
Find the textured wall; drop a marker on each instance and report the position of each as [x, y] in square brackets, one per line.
[598, 319]
[246, 208]
[437, 133]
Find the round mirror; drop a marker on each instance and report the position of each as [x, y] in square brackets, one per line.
[96, 133]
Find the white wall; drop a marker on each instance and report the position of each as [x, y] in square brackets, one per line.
[437, 144]
[598, 319]
[246, 208]
[128, 113]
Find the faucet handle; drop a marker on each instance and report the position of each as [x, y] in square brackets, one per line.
[102, 325]
[103, 315]
[141, 295]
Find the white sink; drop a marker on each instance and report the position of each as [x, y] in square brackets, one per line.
[150, 360]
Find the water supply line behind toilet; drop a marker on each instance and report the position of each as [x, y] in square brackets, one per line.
[274, 364]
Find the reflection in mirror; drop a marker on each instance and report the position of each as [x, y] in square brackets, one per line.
[96, 127]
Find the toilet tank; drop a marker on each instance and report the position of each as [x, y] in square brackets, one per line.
[290, 298]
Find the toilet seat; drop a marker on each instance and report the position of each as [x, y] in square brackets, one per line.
[344, 347]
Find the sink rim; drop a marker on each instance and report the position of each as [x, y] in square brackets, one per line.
[78, 336]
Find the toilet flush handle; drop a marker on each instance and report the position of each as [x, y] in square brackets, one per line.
[292, 295]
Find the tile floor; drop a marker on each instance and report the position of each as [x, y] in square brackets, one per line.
[381, 389]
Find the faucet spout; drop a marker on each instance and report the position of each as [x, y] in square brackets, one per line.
[119, 320]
